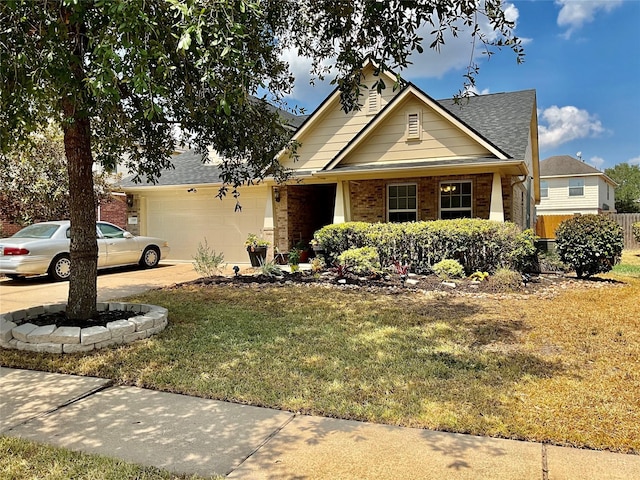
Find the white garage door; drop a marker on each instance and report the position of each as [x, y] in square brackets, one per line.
[186, 219]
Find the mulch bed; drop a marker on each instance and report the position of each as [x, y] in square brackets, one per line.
[544, 285]
[100, 320]
[547, 284]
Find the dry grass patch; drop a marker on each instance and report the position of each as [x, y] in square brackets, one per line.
[561, 369]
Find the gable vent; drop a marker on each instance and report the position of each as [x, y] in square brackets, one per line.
[372, 101]
[413, 126]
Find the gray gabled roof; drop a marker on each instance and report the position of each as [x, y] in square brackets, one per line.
[189, 170]
[561, 165]
[502, 118]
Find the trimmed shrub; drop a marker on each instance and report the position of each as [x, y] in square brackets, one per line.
[505, 280]
[448, 268]
[360, 261]
[479, 245]
[635, 228]
[589, 244]
[339, 237]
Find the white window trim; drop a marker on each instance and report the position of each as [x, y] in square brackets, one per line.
[402, 210]
[458, 209]
[414, 126]
[576, 186]
[544, 188]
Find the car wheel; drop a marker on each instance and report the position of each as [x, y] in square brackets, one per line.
[60, 269]
[150, 257]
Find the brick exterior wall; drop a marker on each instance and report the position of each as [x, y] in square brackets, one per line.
[114, 210]
[369, 197]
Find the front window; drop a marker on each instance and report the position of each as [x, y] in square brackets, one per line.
[576, 187]
[403, 202]
[544, 189]
[455, 200]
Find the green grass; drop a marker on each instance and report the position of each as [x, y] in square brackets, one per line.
[561, 369]
[630, 264]
[24, 460]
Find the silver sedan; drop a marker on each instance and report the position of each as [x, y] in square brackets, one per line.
[43, 248]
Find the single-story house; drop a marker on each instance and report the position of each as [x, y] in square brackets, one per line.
[402, 157]
[569, 187]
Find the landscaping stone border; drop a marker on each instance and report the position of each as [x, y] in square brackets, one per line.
[16, 332]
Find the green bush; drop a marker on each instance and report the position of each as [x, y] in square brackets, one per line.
[479, 245]
[635, 228]
[589, 244]
[338, 237]
[206, 261]
[360, 261]
[448, 268]
[505, 280]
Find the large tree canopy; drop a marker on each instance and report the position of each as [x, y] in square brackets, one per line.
[34, 185]
[628, 190]
[120, 76]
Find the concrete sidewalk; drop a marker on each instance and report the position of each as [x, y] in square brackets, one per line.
[199, 436]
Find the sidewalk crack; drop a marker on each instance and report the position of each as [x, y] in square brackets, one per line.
[545, 466]
[71, 401]
[262, 444]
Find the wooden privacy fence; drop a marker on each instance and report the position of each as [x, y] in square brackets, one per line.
[626, 220]
[546, 226]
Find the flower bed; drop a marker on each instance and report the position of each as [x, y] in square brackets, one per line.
[18, 329]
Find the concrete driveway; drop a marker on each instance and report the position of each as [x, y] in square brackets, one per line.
[112, 283]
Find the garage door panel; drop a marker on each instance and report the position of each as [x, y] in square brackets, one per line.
[186, 219]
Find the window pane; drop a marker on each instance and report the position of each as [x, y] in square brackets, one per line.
[446, 202]
[411, 190]
[393, 191]
[455, 202]
[402, 191]
[466, 188]
[402, 203]
[412, 203]
[393, 204]
[466, 202]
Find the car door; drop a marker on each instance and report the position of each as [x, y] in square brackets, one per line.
[120, 249]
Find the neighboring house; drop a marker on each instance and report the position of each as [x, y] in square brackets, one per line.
[568, 187]
[404, 156]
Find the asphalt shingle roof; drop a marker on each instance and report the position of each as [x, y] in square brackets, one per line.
[501, 118]
[565, 165]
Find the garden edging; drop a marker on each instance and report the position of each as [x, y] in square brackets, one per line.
[16, 332]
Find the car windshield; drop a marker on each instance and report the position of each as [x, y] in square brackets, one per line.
[39, 230]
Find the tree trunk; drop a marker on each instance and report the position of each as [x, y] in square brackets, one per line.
[83, 288]
[83, 282]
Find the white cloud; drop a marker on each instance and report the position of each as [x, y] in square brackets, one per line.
[454, 55]
[575, 13]
[564, 124]
[596, 162]
[634, 161]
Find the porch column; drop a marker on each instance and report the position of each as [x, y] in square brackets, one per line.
[342, 209]
[268, 227]
[497, 207]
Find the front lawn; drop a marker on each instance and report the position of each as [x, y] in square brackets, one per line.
[557, 368]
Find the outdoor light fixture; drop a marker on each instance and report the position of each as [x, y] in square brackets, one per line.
[276, 194]
[192, 190]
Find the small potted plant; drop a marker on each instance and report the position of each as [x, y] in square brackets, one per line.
[294, 259]
[303, 248]
[257, 249]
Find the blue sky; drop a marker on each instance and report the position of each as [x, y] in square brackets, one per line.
[582, 58]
